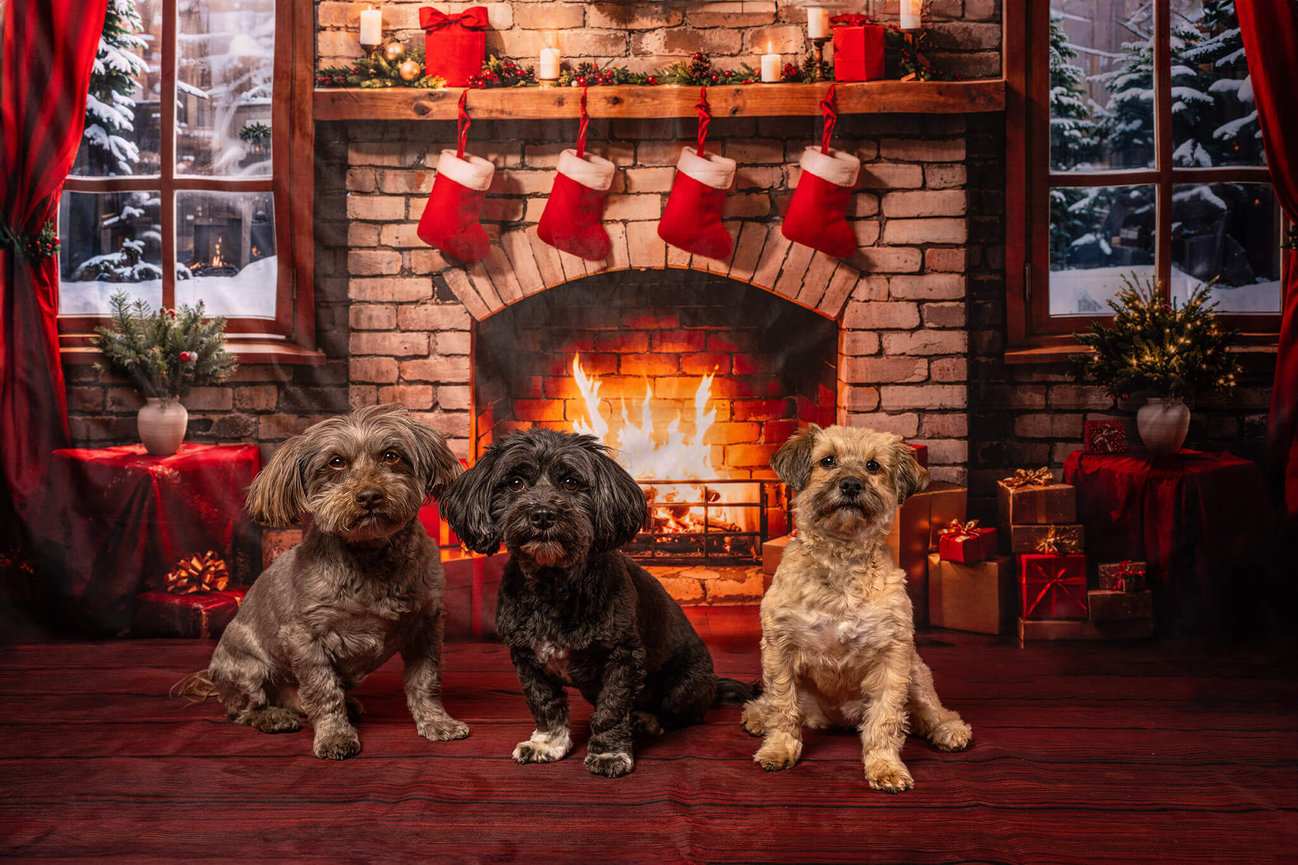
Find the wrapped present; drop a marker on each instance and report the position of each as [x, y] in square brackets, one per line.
[1084, 629]
[164, 614]
[772, 552]
[276, 542]
[914, 535]
[1124, 576]
[921, 454]
[1033, 497]
[1104, 437]
[966, 542]
[1053, 587]
[1067, 539]
[975, 597]
[454, 45]
[195, 573]
[1110, 606]
[858, 48]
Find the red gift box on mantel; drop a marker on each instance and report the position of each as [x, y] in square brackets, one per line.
[1104, 437]
[454, 45]
[966, 542]
[1053, 587]
[858, 48]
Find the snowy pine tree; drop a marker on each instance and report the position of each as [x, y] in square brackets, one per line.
[110, 108]
[1074, 142]
[1220, 51]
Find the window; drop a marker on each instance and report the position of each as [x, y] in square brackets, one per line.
[1144, 156]
[182, 189]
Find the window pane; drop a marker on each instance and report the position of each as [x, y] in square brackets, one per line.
[121, 133]
[1214, 120]
[224, 75]
[1230, 232]
[226, 242]
[111, 241]
[1101, 84]
[1098, 235]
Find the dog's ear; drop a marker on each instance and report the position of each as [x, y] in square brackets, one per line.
[437, 466]
[278, 496]
[908, 476]
[618, 501]
[792, 462]
[466, 505]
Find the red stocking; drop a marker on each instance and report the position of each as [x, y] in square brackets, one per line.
[692, 219]
[450, 219]
[571, 219]
[817, 214]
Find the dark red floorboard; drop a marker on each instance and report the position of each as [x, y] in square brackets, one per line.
[1084, 753]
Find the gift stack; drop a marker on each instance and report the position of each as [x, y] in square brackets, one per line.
[1122, 606]
[197, 600]
[970, 587]
[916, 533]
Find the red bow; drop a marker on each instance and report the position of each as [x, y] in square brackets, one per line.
[473, 18]
[852, 20]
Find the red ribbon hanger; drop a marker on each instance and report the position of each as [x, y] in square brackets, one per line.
[828, 110]
[465, 123]
[474, 18]
[705, 117]
[581, 128]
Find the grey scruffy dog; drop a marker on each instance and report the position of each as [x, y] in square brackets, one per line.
[572, 608]
[365, 582]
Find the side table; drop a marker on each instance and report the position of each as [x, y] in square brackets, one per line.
[120, 519]
[1201, 521]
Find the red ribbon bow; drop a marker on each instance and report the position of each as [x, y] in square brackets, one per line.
[473, 18]
[848, 20]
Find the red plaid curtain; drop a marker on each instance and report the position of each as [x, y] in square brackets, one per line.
[48, 52]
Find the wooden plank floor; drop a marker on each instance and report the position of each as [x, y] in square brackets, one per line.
[1084, 753]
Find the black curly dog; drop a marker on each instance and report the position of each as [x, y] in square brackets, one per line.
[572, 608]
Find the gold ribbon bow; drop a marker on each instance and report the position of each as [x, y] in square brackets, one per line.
[1049, 544]
[962, 531]
[1041, 477]
[194, 574]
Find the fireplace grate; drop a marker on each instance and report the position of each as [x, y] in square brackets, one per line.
[695, 530]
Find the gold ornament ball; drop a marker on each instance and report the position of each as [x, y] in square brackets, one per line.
[409, 69]
[393, 50]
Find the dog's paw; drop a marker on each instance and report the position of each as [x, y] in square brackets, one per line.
[543, 747]
[442, 729]
[646, 724]
[613, 765]
[954, 735]
[752, 718]
[355, 708]
[889, 776]
[338, 745]
[274, 719]
[778, 752]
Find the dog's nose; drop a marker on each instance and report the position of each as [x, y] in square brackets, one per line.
[542, 518]
[850, 487]
[369, 497]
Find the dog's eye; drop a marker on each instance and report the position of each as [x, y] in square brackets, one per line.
[828, 463]
[516, 484]
[391, 458]
[570, 484]
[873, 467]
[337, 463]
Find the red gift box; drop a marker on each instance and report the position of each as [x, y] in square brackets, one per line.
[1053, 587]
[1104, 437]
[164, 614]
[454, 45]
[858, 51]
[966, 542]
[921, 454]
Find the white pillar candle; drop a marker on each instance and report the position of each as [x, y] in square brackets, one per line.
[371, 27]
[549, 64]
[817, 22]
[910, 12]
[770, 67]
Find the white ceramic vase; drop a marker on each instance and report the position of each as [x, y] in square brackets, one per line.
[161, 423]
[1162, 425]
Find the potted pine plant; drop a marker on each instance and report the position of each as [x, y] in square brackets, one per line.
[1165, 351]
[163, 354]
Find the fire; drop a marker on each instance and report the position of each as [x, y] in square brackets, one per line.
[648, 453]
[217, 261]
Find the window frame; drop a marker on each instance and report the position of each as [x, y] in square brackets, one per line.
[290, 336]
[1032, 333]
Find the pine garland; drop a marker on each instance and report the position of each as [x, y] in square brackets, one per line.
[376, 71]
[163, 353]
[1166, 350]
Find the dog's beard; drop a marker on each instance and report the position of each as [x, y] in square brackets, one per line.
[562, 545]
[337, 513]
[842, 515]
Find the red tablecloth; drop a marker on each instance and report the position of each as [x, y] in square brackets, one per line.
[121, 520]
[1202, 521]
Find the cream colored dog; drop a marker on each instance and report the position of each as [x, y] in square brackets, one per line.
[837, 628]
